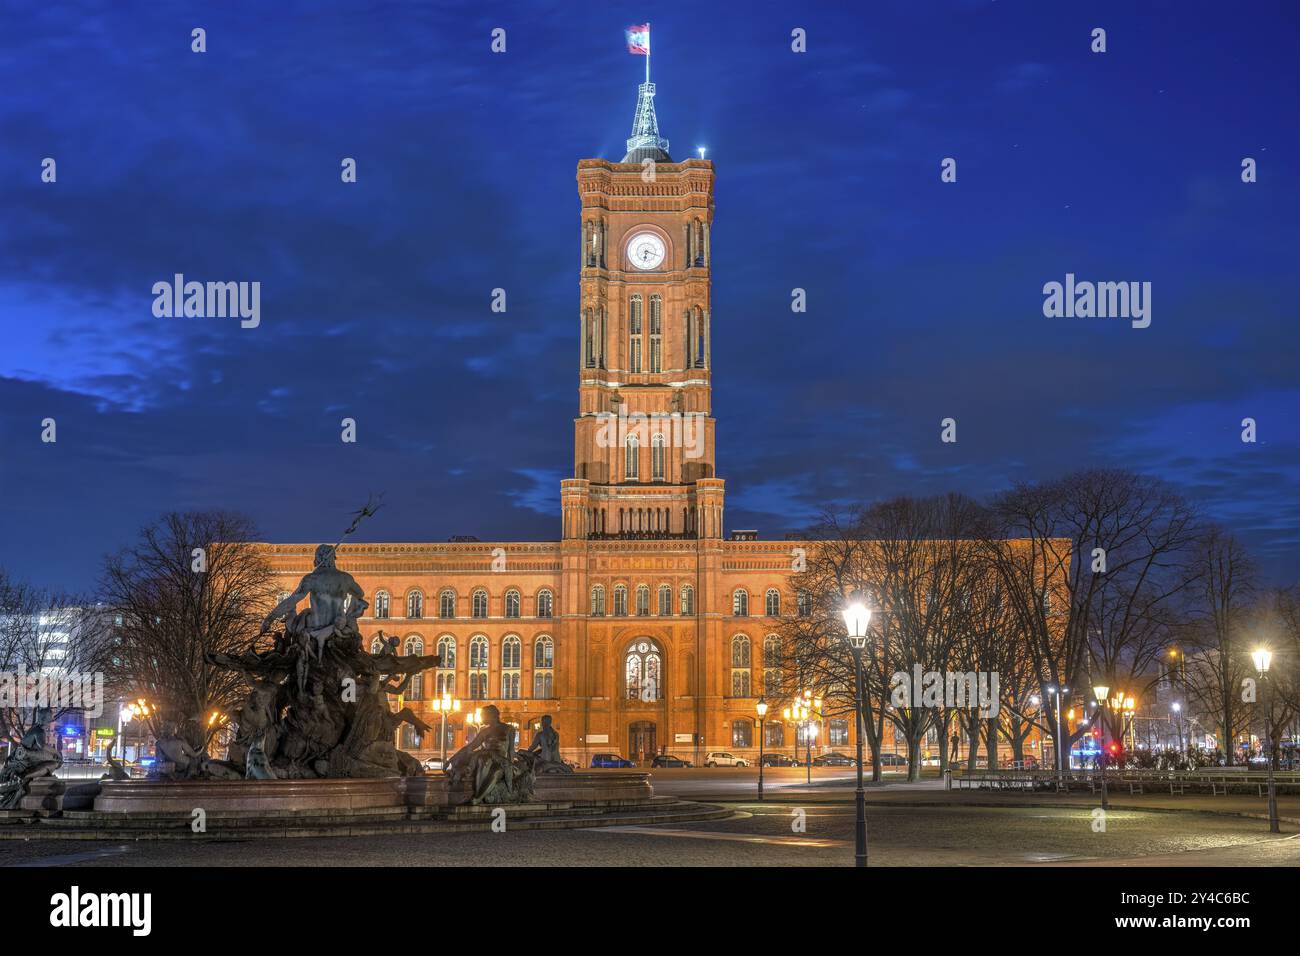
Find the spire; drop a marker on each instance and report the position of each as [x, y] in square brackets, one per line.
[645, 141]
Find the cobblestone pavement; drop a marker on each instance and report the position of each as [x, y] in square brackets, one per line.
[760, 835]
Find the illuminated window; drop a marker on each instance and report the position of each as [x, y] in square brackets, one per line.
[642, 669]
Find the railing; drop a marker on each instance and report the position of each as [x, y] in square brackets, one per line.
[1215, 780]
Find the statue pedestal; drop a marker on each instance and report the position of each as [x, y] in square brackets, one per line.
[54, 795]
[249, 797]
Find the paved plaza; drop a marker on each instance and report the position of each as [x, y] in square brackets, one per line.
[917, 824]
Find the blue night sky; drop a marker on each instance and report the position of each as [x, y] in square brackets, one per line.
[924, 299]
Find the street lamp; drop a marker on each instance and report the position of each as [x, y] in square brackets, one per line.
[445, 705]
[856, 618]
[473, 717]
[1262, 658]
[1100, 691]
[801, 714]
[139, 711]
[1178, 711]
[761, 707]
[1056, 695]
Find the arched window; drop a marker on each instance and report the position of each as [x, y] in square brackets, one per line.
[740, 652]
[545, 603]
[803, 603]
[774, 733]
[447, 603]
[510, 655]
[478, 667]
[642, 669]
[598, 601]
[772, 650]
[543, 664]
[740, 603]
[446, 675]
[376, 646]
[634, 334]
[620, 601]
[415, 604]
[543, 652]
[447, 651]
[688, 601]
[631, 463]
[479, 604]
[656, 334]
[657, 457]
[381, 604]
[740, 666]
[665, 600]
[742, 733]
[414, 647]
[512, 603]
[772, 603]
[642, 600]
[478, 652]
[510, 652]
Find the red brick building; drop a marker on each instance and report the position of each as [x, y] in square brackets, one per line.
[644, 627]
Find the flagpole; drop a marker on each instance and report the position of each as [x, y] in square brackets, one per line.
[647, 52]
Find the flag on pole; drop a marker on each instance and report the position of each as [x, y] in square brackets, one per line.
[638, 39]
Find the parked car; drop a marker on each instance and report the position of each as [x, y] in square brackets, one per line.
[779, 760]
[670, 760]
[893, 760]
[613, 761]
[720, 758]
[833, 760]
[433, 763]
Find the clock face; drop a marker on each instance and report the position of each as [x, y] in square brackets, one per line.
[645, 250]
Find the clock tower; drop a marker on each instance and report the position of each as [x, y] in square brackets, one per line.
[644, 435]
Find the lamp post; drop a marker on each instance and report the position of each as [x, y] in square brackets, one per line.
[1178, 710]
[139, 711]
[799, 713]
[1100, 691]
[761, 707]
[1060, 750]
[1262, 659]
[443, 706]
[856, 618]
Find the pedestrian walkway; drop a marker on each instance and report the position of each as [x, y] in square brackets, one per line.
[1246, 805]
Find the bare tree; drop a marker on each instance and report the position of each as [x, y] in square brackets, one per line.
[193, 584]
[1275, 624]
[1093, 565]
[51, 656]
[1219, 659]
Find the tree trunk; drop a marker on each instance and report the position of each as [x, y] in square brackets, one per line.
[991, 741]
